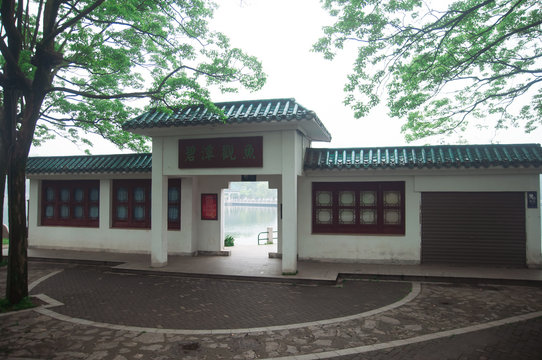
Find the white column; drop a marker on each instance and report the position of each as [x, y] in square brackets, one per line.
[279, 220]
[532, 225]
[105, 204]
[188, 214]
[158, 207]
[289, 204]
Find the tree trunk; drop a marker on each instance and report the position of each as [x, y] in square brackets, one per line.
[17, 277]
[4, 146]
[17, 274]
[3, 169]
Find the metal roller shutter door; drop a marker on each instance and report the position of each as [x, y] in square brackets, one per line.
[485, 228]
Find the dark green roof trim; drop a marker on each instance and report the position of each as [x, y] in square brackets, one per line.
[90, 164]
[441, 156]
[236, 112]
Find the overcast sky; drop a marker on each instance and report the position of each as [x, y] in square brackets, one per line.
[280, 33]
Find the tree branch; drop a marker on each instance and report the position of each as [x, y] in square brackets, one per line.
[140, 94]
[72, 21]
[36, 28]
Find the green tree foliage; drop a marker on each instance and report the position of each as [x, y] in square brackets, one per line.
[77, 67]
[104, 54]
[442, 68]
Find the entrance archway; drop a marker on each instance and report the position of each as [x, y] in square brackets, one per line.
[250, 208]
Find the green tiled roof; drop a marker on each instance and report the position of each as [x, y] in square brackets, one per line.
[442, 156]
[249, 111]
[90, 164]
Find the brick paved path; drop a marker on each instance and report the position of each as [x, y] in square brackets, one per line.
[173, 302]
[438, 308]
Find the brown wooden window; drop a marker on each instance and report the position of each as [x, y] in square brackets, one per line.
[132, 204]
[358, 207]
[70, 203]
[174, 204]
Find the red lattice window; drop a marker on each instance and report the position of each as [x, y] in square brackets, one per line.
[358, 207]
[132, 204]
[70, 203]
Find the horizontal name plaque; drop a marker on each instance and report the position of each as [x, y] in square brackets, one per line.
[221, 152]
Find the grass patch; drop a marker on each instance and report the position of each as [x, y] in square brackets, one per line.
[25, 303]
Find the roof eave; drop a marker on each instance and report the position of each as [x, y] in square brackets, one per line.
[311, 127]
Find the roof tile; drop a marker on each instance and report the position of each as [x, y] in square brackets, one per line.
[249, 111]
[90, 164]
[442, 156]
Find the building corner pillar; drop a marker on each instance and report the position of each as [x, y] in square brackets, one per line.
[159, 251]
[289, 205]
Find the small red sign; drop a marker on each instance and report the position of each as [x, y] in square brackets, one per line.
[209, 206]
[221, 152]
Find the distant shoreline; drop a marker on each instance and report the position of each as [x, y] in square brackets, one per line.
[253, 204]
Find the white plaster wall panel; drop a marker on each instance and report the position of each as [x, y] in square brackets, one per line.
[106, 204]
[33, 205]
[362, 248]
[91, 239]
[103, 238]
[182, 241]
[369, 248]
[534, 234]
[275, 182]
[289, 222]
[483, 181]
[209, 238]
[159, 242]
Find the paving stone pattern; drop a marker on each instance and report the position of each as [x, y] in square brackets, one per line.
[518, 341]
[437, 308]
[174, 302]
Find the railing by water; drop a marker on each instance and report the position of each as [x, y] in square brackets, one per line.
[263, 236]
[251, 202]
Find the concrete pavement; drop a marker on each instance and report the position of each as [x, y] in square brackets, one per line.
[252, 263]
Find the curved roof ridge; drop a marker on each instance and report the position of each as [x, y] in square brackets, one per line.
[233, 112]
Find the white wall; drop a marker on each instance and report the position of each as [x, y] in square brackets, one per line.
[495, 182]
[210, 233]
[103, 238]
[106, 238]
[195, 234]
[362, 248]
[407, 248]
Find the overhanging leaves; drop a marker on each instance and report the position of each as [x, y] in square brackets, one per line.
[93, 57]
[442, 68]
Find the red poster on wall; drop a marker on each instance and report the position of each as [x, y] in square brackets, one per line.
[209, 206]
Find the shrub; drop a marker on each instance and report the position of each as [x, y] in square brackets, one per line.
[229, 240]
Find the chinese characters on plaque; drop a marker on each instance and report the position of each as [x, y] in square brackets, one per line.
[209, 206]
[221, 152]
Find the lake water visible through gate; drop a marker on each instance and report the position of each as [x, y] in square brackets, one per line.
[245, 222]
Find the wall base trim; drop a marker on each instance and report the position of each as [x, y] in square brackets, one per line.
[363, 261]
[213, 253]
